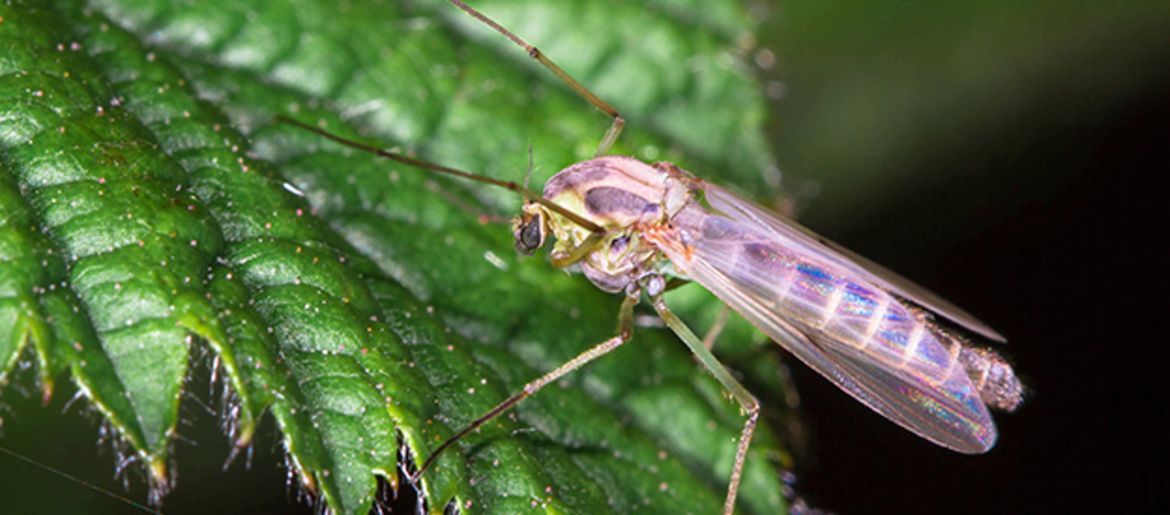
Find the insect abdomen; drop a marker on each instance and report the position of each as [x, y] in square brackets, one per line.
[868, 319]
[819, 296]
[997, 382]
[892, 334]
[879, 325]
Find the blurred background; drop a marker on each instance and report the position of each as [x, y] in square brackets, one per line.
[1006, 155]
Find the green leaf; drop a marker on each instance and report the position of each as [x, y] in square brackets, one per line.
[148, 205]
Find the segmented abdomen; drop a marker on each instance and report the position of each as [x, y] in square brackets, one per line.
[820, 297]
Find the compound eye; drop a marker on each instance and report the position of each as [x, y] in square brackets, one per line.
[530, 237]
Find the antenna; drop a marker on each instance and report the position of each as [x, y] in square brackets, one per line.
[528, 194]
[528, 173]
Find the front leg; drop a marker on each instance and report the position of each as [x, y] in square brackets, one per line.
[562, 259]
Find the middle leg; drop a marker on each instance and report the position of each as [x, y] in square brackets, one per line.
[746, 400]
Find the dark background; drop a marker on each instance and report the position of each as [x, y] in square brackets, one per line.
[1008, 156]
[1011, 158]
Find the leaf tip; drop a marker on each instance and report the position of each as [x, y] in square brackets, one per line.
[158, 470]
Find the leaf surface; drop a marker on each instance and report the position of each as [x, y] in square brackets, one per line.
[149, 205]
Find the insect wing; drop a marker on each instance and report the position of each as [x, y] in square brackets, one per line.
[945, 409]
[745, 211]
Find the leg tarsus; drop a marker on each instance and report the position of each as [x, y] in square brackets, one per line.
[745, 441]
[615, 129]
[624, 334]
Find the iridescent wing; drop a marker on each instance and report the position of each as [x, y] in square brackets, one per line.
[738, 208]
[830, 312]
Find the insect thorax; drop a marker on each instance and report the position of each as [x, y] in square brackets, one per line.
[624, 196]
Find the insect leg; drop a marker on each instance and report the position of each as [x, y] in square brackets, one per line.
[615, 129]
[624, 333]
[746, 400]
[716, 328]
[575, 254]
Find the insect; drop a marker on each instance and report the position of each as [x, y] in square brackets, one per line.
[635, 229]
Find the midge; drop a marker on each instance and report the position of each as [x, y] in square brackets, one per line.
[632, 227]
